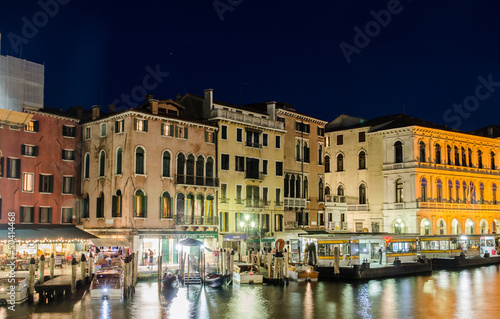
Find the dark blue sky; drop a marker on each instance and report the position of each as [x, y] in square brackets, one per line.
[427, 58]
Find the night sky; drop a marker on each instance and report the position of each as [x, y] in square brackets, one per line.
[427, 55]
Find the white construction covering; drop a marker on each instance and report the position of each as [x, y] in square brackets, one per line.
[21, 84]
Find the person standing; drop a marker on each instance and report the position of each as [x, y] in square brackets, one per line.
[380, 253]
[146, 259]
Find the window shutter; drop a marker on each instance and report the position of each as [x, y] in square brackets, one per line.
[62, 154]
[51, 183]
[18, 168]
[40, 182]
[35, 150]
[171, 133]
[8, 168]
[186, 133]
[113, 206]
[23, 147]
[116, 126]
[35, 126]
[206, 136]
[1, 167]
[50, 214]
[162, 129]
[135, 124]
[145, 125]
[71, 185]
[176, 131]
[134, 204]
[32, 214]
[145, 206]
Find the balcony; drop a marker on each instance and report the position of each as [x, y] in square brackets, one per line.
[336, 226]
[187, 220]
[442, 167]
[464, 206]
[196, 180]
[254, 176]
[358, 208]
[295, 202]
[253, 203]
[253, 145]
[244, 118]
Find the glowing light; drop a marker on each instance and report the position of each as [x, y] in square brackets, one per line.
[247, 217]
[252, 224]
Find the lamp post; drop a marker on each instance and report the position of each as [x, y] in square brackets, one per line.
[245, 225]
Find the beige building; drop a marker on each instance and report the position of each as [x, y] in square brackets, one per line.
[149, 176]
[405, 175]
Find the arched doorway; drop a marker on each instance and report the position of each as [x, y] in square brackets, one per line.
[455, 227]
[425, 228]
[469, 227]
[483, 227]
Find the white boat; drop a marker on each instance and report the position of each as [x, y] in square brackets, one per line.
[244, 273]
[301, 272]
[13, 290]
[107, 284]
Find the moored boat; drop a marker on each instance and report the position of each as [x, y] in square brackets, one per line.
[169, 282]
[13, 290]
[107, 284]
[301, 272]
[217, 280]
[244, 273]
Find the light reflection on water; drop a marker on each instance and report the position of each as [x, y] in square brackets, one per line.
[462, 294]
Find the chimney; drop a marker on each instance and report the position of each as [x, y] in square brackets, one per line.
[271, 110]
[490, 131]
[147, 98]
[178, 97]
[208, 103]
[112, 108]
[95, 112]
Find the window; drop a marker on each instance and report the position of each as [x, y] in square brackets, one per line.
[85, 206]
[28, 182]
[1, 166]
[306, 152]
[448, 154]
[68, 131]
[399, 191]
[239, 134]
[252, 196]
[306, 188]
[67, 215]
[68, 155]
[119, 126]
[253, 139]
[86, 166]
[439, 191]
[224, 162]
[239, 197]
[181, 132]
[450, 191]
[100, 206]
[340, 139]
[223, 193]
[119, 159]
[252, 168]
[464, 157]
[321, 219]
[103, 129]
[29, 150]
[340, 163]
[327, 164]
[88, 132]
[362, 194]
[280, 119]
[320, 154]
[481, 193]
[32, 126]
[302, 127]
[140, 163]
[321, 131]
[279, 168]
[358, 227]
[141, 125]
[470, 157]
[457, 186]
[27, 214]
[320, 190]
[437, 151]
[361, 136]
[165, 164]
[265, 169]
[494, 194]
[492, 161]
[209, 137]
[265, 138]
[298, 150]
[167, 129]
[340, 190]
[67, 184]
[422, 152]
[423, 190]
[398, 152]
[45, 215]
[457, 156]
[13, 167]
[102, 163]
[166, 205]
[223, 132]
[362, 160]
[278, 196]
[265, 196]
[328, 141]
[46, 183]
[479, 159]
[239, 163]
[278, 141]
[140, 204]
[116, 204]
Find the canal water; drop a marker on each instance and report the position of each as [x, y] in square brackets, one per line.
[469, 293]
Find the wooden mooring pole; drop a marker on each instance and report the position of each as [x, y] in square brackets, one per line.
[83, 266]
[42, 269]
[73, 276]
[31, 279]
[52, 265]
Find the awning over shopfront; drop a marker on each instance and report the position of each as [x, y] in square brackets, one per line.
[110, 242]
[43, 233]
[178, 234]
[261, 240]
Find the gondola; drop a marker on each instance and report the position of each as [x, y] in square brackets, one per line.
[169, 282]
[217, 280]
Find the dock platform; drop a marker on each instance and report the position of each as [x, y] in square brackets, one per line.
[462, 262]
[374, 271]
[58, 286]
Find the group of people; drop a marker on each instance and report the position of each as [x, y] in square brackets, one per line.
[149, 257]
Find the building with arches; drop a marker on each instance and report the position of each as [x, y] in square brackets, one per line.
[148, 176]
[418, 177]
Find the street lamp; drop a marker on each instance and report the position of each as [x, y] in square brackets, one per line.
[245, 225]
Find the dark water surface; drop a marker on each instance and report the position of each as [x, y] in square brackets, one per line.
[471, 293]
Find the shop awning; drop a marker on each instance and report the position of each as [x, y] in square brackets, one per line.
[39, 233]
[190, 242]
[110, 242]
[261, 240]
[178, 234]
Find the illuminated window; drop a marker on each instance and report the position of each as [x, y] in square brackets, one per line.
[166, 205]
[32, 126]
[423, 190]
[399, 191]
[119, 126]
[116, 204]
[88, 132]
[13, 167]
[28, 182]
[140, 204]
[439, 193]
[68, 131]
[141, 125]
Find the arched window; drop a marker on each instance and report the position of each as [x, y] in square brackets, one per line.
[479, 159]
[472, 191]
[320, 190]
[362, 160]
[464, 157]
[165, 164]
[437, 151]
[140, 161]
[140, 204]
[448, 154]
[457, 156]
[481, 193]
[116, 204]
[399, 226]
[450, 191]
[190, 170]
[209, 171]
[86, 170]
[469, 227]
[422, 152]
[457, 189]
[190, 204]
[180, 204]
[423, 190]
[398, 152]
[455, 227]
[287, 185]
[492, 160]
[399, 191]
[298, 148]
[306, 188]
[464, 190]
[102, 163]
[181, 162]
[306, 152]
[362, 194]
[99, 211]
[119, 160]
[166, 205]
[439, 190]
[470, 157]
[200, 163]
[494, 193]
[425, 228]
[297, 187]
[340, 163]
[340, 190]
[209, 211]
[292, 186]
[327, 190]
[327, 164]
[200, 205]
[320, 154]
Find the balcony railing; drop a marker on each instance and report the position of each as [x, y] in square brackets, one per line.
[442, 205]
[254, 202]
[252, 175]
[254, 120]
[335, 199]
[196, 220]
[254, 145]
[444, 167]
[196, 180]
[295, 202]
[358, 208]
